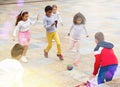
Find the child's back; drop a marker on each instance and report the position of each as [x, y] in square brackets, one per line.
[105, 51]
[10, 72]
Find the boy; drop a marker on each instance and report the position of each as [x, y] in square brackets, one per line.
[49, 24]
[11, 71]
[105, 60]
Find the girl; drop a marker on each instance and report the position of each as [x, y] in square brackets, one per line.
[56, 15]
[22, 25]
[75, 33]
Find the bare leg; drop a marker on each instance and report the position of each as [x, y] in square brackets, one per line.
[25, 50]
[77, 56]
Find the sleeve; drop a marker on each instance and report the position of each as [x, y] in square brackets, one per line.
[33, 21]
[45, 24]
[59, 17]
[97, 54]
[85, 30]
[16, 29]
[96, 64]
[19, 78]
[71, 28]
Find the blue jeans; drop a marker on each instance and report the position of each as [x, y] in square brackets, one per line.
[106, 73]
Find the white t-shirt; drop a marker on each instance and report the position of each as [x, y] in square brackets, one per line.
[11, 73]
[57, 16]
[23, 26]
[77, 30]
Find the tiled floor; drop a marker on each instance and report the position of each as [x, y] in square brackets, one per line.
[101, 15]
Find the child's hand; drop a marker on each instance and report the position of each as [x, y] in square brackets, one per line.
[87, 36]
[68, 34]
[53, 24]
[92, 76]
[13, 38]
[62, 24]
[38, 16]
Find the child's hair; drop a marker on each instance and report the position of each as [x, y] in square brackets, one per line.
[54, 6]
[19, 17]
[79, 15]
[99, 36]
[48, 8]
[17, 50]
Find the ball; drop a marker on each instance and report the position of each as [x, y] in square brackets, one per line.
[69, 67]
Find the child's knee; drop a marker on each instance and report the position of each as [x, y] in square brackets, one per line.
[58, 44]
[49, 45]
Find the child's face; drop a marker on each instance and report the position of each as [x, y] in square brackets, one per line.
[54, 10]
[25, 17]
[48, 13]
[79, 20]
[96, 41]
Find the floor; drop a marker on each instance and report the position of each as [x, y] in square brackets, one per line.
[101, 15]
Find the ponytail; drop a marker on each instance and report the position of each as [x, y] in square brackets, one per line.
[19, 17]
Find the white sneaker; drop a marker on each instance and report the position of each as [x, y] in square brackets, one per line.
[23, 59]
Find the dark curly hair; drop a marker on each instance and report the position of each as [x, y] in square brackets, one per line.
[79, 15]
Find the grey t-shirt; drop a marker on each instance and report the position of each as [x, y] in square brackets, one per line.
[47, 22]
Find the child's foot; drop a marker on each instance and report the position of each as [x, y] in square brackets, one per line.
[45, 54]
[60, 56]
[23, 59]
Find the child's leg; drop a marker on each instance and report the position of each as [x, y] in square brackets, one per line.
[102, 74]
[25, 50]
[77, 55]
[110, 72]
[72, 44]
[57, 40]
[49, 39]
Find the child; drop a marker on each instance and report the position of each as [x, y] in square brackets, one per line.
[56, 15]
[49, 24]
[23, 26]
[11, 71]
[105, 60]
[75, 33]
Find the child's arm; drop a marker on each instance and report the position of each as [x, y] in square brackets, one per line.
[35, 20]
[70, 30]
[86, 31]
[97, 60]
[46, 24]
[15, 31]
[59, 18]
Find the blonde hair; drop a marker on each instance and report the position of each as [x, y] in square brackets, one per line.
[99, 36]
[17, 50]
[79, 15]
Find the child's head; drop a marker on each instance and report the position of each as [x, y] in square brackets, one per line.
[22, 16]
[54, 8]
[48, 10]
[79, 19]
[17, 51]
[99, 36]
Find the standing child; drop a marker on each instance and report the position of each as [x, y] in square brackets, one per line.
[11, 71]
[75, 33]
[23, 24]
[105, 60]
[49, 24]
[56, 15]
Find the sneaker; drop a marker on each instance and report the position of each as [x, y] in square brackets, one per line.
[23, 59]
[60, 56]
[45, 54]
